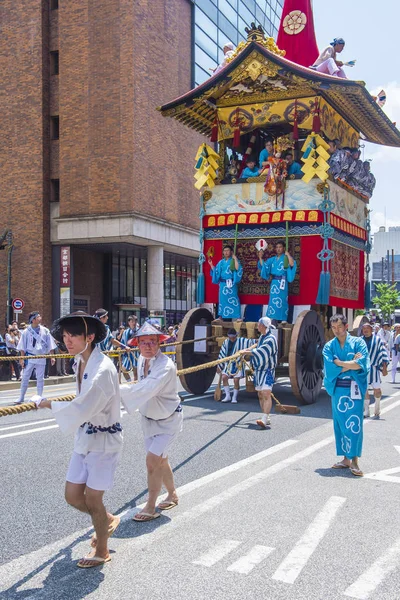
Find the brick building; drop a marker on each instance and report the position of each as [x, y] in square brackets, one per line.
[94, 182]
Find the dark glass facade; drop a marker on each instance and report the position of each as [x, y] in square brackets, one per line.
[217, 22]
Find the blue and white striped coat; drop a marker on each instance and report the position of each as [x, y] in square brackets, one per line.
[129, 359]
[106, 344]
[264, 359]
[230, 369]
[378, 357]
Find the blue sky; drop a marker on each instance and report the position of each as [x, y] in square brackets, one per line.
[371, 31]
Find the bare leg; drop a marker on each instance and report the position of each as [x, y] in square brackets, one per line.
[154, 465]
[99, 515]
[75, 495]
[265, 400]
[378, 396]
[168, 481]
[366, 405]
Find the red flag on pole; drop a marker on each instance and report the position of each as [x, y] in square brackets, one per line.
[296, 33]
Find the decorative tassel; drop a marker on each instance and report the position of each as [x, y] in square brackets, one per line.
[200, 288]
[236, 133]
[295, 124]
[316, 125]
[367, 295]
[214, 131]
[324, 288]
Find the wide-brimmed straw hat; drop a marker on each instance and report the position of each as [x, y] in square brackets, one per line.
[147, 329]
[93, 324]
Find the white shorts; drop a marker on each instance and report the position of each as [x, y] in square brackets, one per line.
[263, 387]
[375, 385]
[159, 444]
[96, 469]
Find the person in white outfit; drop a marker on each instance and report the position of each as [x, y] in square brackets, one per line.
[395, 350]
[156, 397]
[327, 61]
[34, 340]
[95, 416]
[230, 369]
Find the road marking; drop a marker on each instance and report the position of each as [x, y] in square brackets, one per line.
[372, 577]
[246, 563]
[16, 433]
[27, 424]
[217, 553]
[197, 483]
[291, 567]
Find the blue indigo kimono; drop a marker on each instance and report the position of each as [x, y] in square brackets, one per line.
[106, 344]
[278, 307]
[264, 359]
[227, 349]
[129, 359]
[228, 301]
[347, 390]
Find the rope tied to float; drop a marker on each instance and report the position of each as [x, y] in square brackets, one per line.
[28, 406]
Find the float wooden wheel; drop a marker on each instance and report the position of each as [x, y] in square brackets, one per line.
[305, 356]
[198, 382]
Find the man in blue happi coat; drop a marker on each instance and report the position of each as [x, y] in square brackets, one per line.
[379, 361]
[129, 359]
[273, 270]
[264, 359]
[346, 369]
[228, 280]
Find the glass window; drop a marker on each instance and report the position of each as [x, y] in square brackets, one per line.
[122, 278]
[227, 11]
[129, 279]
[203, 21]
[199, 75]
[233, 3]
[204, 61]
[136, 279]
[206, 43]
[173, 283]
[143, 277]
[167, 281]
[246, 15]
[227, 28]
[248, 5]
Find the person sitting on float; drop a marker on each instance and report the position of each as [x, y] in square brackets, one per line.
[326, 61]
[266, 153]
[367, 181]
[228, 50]
[293, 167]
[251, 170]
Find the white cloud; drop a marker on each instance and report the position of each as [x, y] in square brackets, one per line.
[378, 219]
[392, 109]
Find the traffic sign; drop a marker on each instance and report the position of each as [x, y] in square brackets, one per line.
[17, 312]
[18, 304]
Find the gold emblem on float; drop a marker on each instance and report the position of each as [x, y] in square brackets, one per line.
[294, 22]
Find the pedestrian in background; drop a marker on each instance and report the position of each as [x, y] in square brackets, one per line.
[12, 338]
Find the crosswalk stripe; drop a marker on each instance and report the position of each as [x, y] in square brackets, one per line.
[291, 567]
[246, 563]
[372, 577]
[217, 553]
[26, 432]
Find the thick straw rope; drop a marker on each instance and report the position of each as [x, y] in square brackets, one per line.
[27, 406]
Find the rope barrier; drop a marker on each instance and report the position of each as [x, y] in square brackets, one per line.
[110, 353]
[27, 406]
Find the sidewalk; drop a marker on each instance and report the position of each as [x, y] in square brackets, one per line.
[52, 380]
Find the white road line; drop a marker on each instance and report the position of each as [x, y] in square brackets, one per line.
[27, 424]
[372, 577]
[291, 567]
[246, 563]
[16, 433]
[217, 553]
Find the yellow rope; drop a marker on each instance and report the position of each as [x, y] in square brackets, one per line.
[27, 406]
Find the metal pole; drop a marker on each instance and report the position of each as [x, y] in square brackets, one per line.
[383, 269]
[392, 266]
[9, 300]
[388, 267]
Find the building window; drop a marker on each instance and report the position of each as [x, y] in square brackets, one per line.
[55, 128]
[53, 4]
[54, 66]
[54, 190]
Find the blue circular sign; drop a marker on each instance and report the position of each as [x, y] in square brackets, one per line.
[18, 304]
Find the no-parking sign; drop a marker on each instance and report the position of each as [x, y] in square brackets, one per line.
[18, 304]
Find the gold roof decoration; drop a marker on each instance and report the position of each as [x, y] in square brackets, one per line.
[257, 34]
[257, 76]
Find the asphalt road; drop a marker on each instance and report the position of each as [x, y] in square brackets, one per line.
[261, 514]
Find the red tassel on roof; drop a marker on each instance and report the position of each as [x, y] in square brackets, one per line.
[214, 131]
[316, 124]
[295, 123]
[236, 132]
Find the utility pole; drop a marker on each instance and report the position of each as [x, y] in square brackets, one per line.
[10, 247]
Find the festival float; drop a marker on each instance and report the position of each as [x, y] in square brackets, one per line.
[260, 94]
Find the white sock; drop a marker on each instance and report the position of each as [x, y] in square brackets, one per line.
[227, 391]
[377, 405]
[235, 394]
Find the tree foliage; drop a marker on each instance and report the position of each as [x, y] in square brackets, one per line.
[387, 299]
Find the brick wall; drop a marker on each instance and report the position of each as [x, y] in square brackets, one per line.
[119, 60]
[24, 162]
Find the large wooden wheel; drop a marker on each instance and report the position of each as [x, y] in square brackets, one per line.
[198, 382]
[305, 356]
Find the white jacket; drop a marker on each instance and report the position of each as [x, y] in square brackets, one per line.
[156, 396]
[96, 410]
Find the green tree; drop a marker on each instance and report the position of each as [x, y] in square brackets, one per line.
[387, 299]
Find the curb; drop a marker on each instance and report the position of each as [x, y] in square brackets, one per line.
[15, 385]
